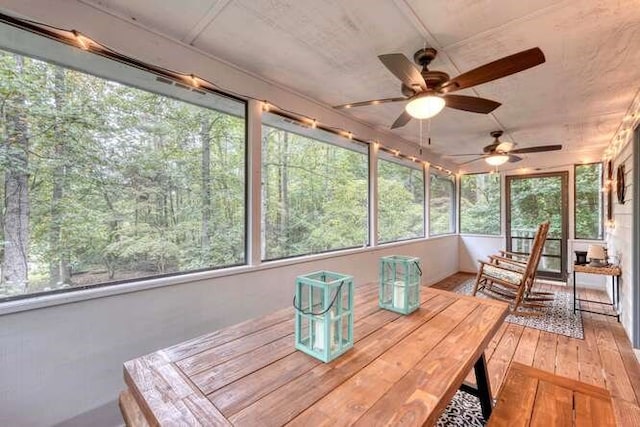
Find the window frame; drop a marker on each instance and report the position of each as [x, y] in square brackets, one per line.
[602, 201]
[500, 211]
[142, 77]
[322, 136]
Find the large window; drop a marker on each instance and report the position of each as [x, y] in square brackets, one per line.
[588, 201]
[441, 204]
[400, 200]
[314, 190]
[480, 204]
[103, 182]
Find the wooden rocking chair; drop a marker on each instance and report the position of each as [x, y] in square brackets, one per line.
[518, 262]
[508, 281]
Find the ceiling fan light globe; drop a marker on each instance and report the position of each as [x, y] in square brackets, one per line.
[425, 106]
[497, 159]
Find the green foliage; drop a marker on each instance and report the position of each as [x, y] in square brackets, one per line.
[400, 201]
[441, 204]
[116, 178]
[314, 195]
[588, 202]
[480, 204]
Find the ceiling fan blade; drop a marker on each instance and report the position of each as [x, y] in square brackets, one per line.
[471, 103]
[497, 69]
[470, 161]
[491, 147]
[402, 120]
[403, 69]
[513, 159]
[537, 149]
[372, 102]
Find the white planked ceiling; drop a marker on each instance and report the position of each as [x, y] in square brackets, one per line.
[328, 51]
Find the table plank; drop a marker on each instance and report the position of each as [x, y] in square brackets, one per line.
[288, 401]
[248, 389]
[351, 399]
[421, 395]
[165, 396]
[518, 412]
[592, 412]
[553, 407]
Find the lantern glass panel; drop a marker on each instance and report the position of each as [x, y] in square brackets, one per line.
[400, 283]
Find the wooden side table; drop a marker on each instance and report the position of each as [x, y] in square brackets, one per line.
[609, 270]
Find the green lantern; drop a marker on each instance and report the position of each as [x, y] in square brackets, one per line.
[324, 314]
[400, 283]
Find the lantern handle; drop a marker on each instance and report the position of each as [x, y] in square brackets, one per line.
[418, 267]
[333, 301]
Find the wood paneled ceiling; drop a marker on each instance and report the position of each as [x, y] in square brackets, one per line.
[327, 50]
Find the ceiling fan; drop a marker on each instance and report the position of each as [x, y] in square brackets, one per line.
[498, 152]
[428, 92]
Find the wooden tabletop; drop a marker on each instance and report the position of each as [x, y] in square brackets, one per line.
[606, 270]
[402, 369]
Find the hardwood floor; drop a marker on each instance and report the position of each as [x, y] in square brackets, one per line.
[604, 358]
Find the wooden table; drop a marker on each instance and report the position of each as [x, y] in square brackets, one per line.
[609, 270]
[402, 369]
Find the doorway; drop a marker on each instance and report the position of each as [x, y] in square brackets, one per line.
[532, 199]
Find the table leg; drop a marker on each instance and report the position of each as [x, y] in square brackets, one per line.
[484, 388]
[574, 292]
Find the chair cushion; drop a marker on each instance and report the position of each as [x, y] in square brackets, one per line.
[511, 266]
[509, 276]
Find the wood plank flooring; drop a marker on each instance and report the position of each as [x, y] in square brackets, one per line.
[604, 358]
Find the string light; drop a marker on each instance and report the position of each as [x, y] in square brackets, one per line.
[265, 106]
[194, 81]
[314, 123]
[83, 42]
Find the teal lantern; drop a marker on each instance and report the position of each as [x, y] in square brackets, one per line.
[324, 314]
[400, 283]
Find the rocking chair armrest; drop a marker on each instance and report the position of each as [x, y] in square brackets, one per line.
[513, 254]
[507, 260]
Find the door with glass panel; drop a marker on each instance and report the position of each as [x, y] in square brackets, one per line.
[532, 199]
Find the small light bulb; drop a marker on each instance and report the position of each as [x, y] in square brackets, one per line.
[194, 81]
[314, 123]
[83, 42]
[265, 106]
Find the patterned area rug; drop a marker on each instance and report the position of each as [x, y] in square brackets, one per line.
[557, 318]
[464, 410]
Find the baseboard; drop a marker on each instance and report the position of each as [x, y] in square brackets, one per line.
[107, 415]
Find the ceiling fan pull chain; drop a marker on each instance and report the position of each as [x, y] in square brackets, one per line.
[429, 131]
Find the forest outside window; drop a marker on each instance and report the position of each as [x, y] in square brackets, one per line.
[103, 182]
[400, 199]
[442, 190]
[480, 204]
[314, 190]
[588, 201]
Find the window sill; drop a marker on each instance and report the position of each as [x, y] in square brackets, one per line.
[43, 301]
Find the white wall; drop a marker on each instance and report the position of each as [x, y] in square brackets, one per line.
[473, 248]
[619, 237]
